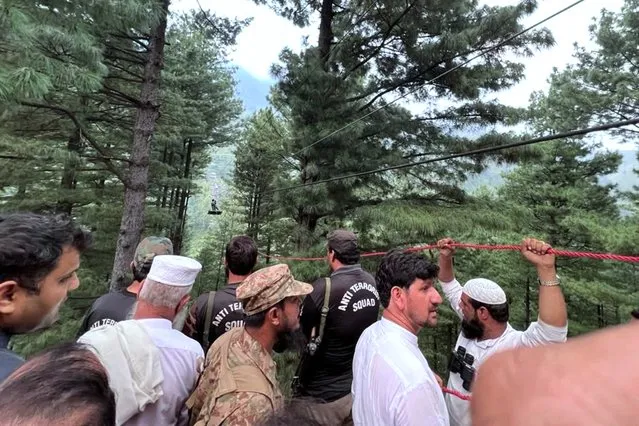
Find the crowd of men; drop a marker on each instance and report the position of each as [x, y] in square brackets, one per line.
[134, 363]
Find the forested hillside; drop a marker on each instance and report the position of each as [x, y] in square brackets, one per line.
[130, 118]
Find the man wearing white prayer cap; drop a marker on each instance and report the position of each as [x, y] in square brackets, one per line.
[482, 306]
[164, 293]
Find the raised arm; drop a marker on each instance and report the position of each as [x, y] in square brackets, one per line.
[452, 288]
[553, 316]
[552, 306]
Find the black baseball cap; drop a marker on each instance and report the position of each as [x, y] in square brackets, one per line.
[343, 241]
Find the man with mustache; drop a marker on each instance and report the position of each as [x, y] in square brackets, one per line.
[117, 306]
[39, 258]
[392, 381]
[239, 383]
[483, 308]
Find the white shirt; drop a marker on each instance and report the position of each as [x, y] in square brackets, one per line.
[181, 358]
[392, 382]
[538, 333]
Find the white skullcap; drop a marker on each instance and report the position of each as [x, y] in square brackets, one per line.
[174, 270]
[485, 291]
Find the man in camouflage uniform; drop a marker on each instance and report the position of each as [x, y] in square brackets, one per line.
[239, 384]
[114, 307]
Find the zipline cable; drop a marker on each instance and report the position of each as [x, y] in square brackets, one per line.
[555, 136]
[466, 62]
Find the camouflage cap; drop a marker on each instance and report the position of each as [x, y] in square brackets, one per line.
[267, 287]
[149, 248]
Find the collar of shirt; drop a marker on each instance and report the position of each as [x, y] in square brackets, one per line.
[399, 330]
[489, 343]
[256, 352]
[346, 269]
[4, 339]
[157, 323]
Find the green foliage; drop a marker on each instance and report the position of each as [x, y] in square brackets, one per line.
[70, 91]
[369, 52]
[66, 148]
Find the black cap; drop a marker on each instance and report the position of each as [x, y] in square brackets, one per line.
[343, 241]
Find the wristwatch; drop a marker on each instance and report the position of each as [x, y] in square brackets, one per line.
[549, 283]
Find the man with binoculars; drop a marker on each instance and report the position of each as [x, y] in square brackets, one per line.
[482, 306]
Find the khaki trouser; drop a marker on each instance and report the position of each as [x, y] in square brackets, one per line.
[336, 413]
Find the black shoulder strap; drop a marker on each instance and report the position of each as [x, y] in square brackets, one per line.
[207, 319]
[325, 306]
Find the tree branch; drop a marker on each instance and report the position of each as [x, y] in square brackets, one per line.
[104, 156]
[385, 38]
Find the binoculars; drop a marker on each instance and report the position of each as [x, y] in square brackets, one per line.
[461, 363]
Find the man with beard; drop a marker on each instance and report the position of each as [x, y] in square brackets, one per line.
[215, 313]
[239, 383]
[152, 367]
[117, 306]
[483, 308]
[392, 381]
[333, 324]
[39, 258]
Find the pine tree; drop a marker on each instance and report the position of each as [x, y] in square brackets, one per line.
[369, 52]
[43, 168]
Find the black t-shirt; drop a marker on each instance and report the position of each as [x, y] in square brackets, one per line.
[110, 308]
[354, 305]
[227, 313]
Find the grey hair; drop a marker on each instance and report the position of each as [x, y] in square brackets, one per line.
[162, 295]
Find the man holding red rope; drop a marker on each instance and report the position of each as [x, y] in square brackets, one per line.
[483, 308]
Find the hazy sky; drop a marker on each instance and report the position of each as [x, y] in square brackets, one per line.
[260, 44]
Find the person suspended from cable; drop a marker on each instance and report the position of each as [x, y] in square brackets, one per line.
[214, 210]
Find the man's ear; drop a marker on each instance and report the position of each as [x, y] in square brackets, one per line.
[9, 292]
[183, 301]
[274, 316]
[483, 313]
[398, 297]
[137, 296]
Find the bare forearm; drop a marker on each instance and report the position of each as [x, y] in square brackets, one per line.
[446, 271]
[552, 305]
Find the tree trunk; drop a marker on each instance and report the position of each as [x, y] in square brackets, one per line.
[162, 192]
[308, 221]
[178, 235]
[166, 187]
[268, 251]
[136, 184]
[325, 33]
[67, 183]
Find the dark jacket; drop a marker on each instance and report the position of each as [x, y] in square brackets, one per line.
[353, 306]
[9, 361]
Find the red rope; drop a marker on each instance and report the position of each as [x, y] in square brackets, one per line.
[503, 247]
[457, 394]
